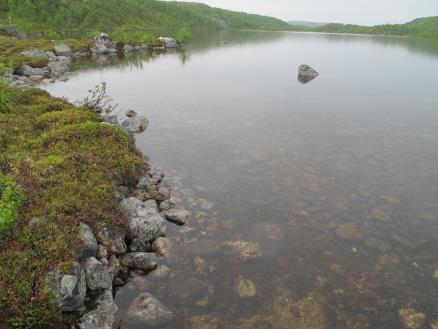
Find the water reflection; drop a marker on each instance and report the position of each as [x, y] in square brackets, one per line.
[312, 207]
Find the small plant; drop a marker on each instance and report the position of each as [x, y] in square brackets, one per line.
[11, 200]
[183, 35]
[98, 100]
[4, 94]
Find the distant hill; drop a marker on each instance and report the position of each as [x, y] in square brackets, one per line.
[307, 24]
[420, 27]
[106, 14]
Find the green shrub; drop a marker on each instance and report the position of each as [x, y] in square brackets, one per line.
[11, 200]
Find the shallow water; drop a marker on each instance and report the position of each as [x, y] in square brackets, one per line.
[333, 183]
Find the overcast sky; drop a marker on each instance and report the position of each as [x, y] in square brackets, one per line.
[343, 11]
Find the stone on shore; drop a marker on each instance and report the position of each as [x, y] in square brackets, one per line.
[37, 53]
[67, 286]
[168, 42]
[103, 44]
[137, 124]
[177, 216]
[139, 260]
[29, 71]
[146, 228]
[306, 73]
[58, 68]
[148, 311]
[87, 243]
[63, 50]
[411, 319]
[96, 274]
[104, 314]
[113, 239]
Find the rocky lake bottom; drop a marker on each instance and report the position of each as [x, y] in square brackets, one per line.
[312, 205]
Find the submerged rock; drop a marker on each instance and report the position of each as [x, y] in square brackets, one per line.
[149, 311]
[244, 250]
[103, 44]
[244, 287]
[139, 260]
[161, 273]
[306, 73]
[162, 246]
[130, 113]
[411, 319]
[187, 290]
[96, 274]
[349, 231]
[104, 314]
[267, 231]
[203, 248]
[137, 124]
[67, 286]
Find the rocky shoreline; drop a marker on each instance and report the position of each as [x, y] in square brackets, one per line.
[105, 258]
[59, 59]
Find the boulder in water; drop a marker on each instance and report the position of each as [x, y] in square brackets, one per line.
[306, 73]
[103, 44]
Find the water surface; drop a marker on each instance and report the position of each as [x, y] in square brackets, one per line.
[334, 182]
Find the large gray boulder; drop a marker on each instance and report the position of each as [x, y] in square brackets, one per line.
[87, 243]
[96, 274]
[306, 73]
[104, 314]
[139, 260]
[168, 42]
[29, 71]
[63, 50]
[148, 311]
[103, 44]
[37, 53]
[68, 287]
[58, 68]
[137, 124]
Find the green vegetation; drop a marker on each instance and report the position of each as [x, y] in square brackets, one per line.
[66, 163]
[60, 15]
[420, 27]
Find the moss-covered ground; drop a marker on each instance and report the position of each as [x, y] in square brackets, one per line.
[58, 163]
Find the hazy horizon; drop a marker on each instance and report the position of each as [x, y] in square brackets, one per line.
[364, 12]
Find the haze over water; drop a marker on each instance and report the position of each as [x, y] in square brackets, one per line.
[335, 181]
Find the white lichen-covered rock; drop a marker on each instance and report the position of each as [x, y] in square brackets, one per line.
[68, 286]
[104, 314]
[148, 311]
[103, 44]
[168, 42]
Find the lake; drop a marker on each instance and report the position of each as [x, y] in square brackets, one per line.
[313, 205]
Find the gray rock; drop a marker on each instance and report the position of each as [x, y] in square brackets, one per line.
[104, 314]
[177, 216]
[167, 205]
[139, 245]
[149, 183]
[87, 243]
[113, 239]
[130, 113]
[145, 47]
[306, 73]
[161, 246]
[133, 207]
[63, 50]
[139, 260]
[128, 49]
[136, 124]
[114, 267]
[37, 53]
[28, 71]
[203, 248]
[146, 310]
[68, 287]
[96, 274]
[51, 55]
[168, 42]
[103, 44]
[146, 228]
[58, 68]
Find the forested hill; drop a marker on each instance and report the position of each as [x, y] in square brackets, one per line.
[420, 27]
[103, 14]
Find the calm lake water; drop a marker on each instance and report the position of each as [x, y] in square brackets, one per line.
[314, 205]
